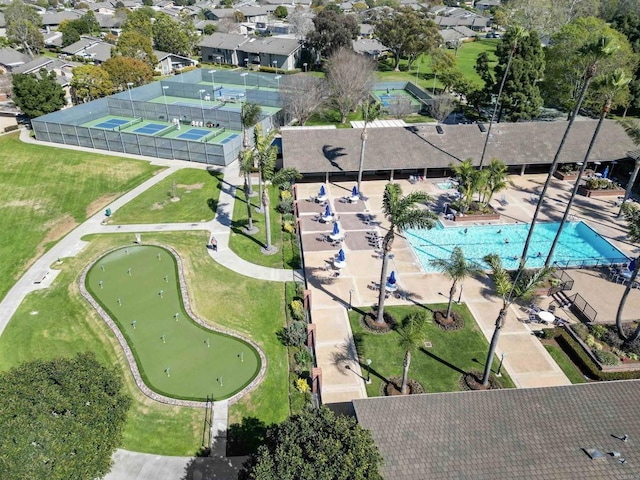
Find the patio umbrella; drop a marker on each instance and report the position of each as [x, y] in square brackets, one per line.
[392, 278]
[322, 191]
[336, 230]
[632, 265]
[354, 191]
[327, 211]
[606, 172]
[341, 256]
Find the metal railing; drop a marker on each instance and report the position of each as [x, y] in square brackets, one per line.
[564, 279]
[582, 309]
[591, 262]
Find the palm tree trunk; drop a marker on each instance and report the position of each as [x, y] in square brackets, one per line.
[493, 345]
[495, 108]
[261, 191]
[363, 137]
[623, 300]
[552, 169]
[405, 372]
[247, 195]
[632, 180]
[386, 248]
[269, 249]
[452, 292]
[605, 110]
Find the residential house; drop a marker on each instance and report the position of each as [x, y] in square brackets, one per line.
[256, 14]
[218, 14]
[11, 59]
[366, 30]
[168, 63]
[90, 48]
[52, 19]
[369, 46]
[486, 5]
[458, 17]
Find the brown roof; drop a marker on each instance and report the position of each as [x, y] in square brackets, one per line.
[335, 150]
[508, 434]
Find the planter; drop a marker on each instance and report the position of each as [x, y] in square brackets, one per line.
[569, 176]
[477, 218]
[614, 192]
[623, 367]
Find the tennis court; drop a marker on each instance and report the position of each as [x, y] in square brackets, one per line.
[194, 134]
[111, 123]
[151, 128]
[229, 138]
[196, 104]
[388, 97]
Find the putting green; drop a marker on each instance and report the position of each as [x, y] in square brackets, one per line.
[139, 287]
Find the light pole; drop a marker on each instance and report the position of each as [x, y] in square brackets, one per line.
[498, 374]
[164, 93]
[350, 294]
[244, 78]
[201, 91]
[277, 77]
[275, 65]
[246, 63]
[304, 65]
[368, 380]
[219, 58]
[129, 85]
[435, 76]
[213, 83]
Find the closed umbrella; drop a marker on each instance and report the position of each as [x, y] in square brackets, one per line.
[392, 278]
[341, 256]
[327, 211]
[354, 191]
[336, 230]
[632, 265]
[606, 172]
[322, 192]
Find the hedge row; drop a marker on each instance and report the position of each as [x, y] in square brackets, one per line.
[584, 362]
[11, 128]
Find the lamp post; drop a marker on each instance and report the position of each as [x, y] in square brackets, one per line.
[129, 85]
[304, 65]
[164, 93]
[350, 294]
[368, 380]
[201, 91]
[213, 83]
[244, 78]
[275, 65]
[246, 63]
[498, 374]
[277, 77]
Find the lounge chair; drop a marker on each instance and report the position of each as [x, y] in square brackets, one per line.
[503, 201]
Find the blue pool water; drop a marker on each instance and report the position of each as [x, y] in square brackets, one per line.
[579, 244]
[445, 185]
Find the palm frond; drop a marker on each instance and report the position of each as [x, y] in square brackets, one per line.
[414, 218]
[632, 129]
[250, 114]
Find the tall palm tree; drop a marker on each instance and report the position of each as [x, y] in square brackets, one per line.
[247, 163]
[469, 181]
[633, 130]
[518, 34]
[370, 112]
[412, 337]
[249, 116]
[402, 213]
[593, 52]
[510, 290]
[496, 180]
[632, 216]
[457, 268]
[613, 84]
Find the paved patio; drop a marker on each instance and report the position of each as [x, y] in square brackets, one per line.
[526, 360]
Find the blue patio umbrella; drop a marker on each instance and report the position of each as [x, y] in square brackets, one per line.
[632, 265]
[341, 256]
[336, 230]
[322, 191]
[327, 211]
[354, 191]
[392, 278]
[606, 172]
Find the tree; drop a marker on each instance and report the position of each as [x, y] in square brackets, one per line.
[412, 337]
[401, 213]
[399, 107]
[633, 130]
[301, 22]
[333, 31]
[616, 81]
[441, 106]
[629, 24]
[209, 29]
[249, 115]
[302, 95]
[139, 21]
[69, 35]
[593, 53]
[457, 268]
[123, 70]
[632, 216]
[312, 444]
[23, 27]
[370, 112]
[38, 96]
[168, 36]
[549, 16]
[135, 45]
[509, 290]
[470, 182]
[61, 418]
[496, 180]
[281, 11]
[407, 34]
[247, 164]
[350, 78]
[442, 62]
[90, 82]
[568, 58]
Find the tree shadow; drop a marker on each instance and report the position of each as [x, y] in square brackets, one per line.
[212, 204]
[238, 227]
[332, 153]
[244, 438]
[213, 468]
[443, 361]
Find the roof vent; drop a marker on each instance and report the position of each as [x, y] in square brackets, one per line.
[594, 453]
[482, 128]
[439, 130]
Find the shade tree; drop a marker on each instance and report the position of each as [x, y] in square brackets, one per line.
[37, 94]
[332, 32]
[412, 336]
[303, 95]
[124, 70]
[23, 27]
[90, 82]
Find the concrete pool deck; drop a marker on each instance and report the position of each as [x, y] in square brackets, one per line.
[526, 360]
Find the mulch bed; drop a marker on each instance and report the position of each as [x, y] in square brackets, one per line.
[392, 387]
[473, 381]
[369, 323]
[454, 322]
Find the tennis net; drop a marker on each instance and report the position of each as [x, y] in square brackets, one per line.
[135, 121]
[213, 134]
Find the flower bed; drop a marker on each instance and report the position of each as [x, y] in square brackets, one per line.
[600, 187]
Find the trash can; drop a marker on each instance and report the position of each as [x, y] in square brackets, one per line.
[108, 212]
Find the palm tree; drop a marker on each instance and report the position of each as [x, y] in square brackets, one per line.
[265, 155]
[469, 181]
[632, 216]
[457, 268]
[593, 53]
[370, 112]
[496, 180]
[613, 84]
[412, 336]
[518, 34]
[633, 130]
[402, 213]
[249, 116]
[247, 163]
[510, 290]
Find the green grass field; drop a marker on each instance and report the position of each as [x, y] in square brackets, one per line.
[197, 190]
[139, 288]
[45, 192]
[438, 368]
[566, 365]
[59, 322]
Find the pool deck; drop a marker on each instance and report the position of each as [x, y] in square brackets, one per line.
[526, 361]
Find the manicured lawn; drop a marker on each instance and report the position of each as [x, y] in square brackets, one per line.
[567, 366]
[197, 189]
[45, 192]
[437, 368]
[176, 356]
[249, 246]
[59, 322]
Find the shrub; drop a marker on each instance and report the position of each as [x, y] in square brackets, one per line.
[289, 217]
[286, 206]
[285, 194]
[299, 289]
[285, 186]
[548, 333]
[581, 330]
[303, 359]
[289, 228]
[297, 310]
[11, 128]
[612, 338]
[294, 334]
[598, 331]
[303, 385]
[607, 358]
[632, 347]
[599, 184]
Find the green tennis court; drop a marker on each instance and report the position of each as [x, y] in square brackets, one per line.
[138, 286]
[388, 96]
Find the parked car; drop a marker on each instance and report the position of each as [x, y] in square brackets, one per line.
[492, 35]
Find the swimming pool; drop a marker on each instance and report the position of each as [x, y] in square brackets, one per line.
[579, 244]
[446, 185]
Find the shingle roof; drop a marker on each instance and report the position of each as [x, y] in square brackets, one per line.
[535, 433]
[223, 41]
[422, 147]
[10, 57]
[273, 45]
[56, 18]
